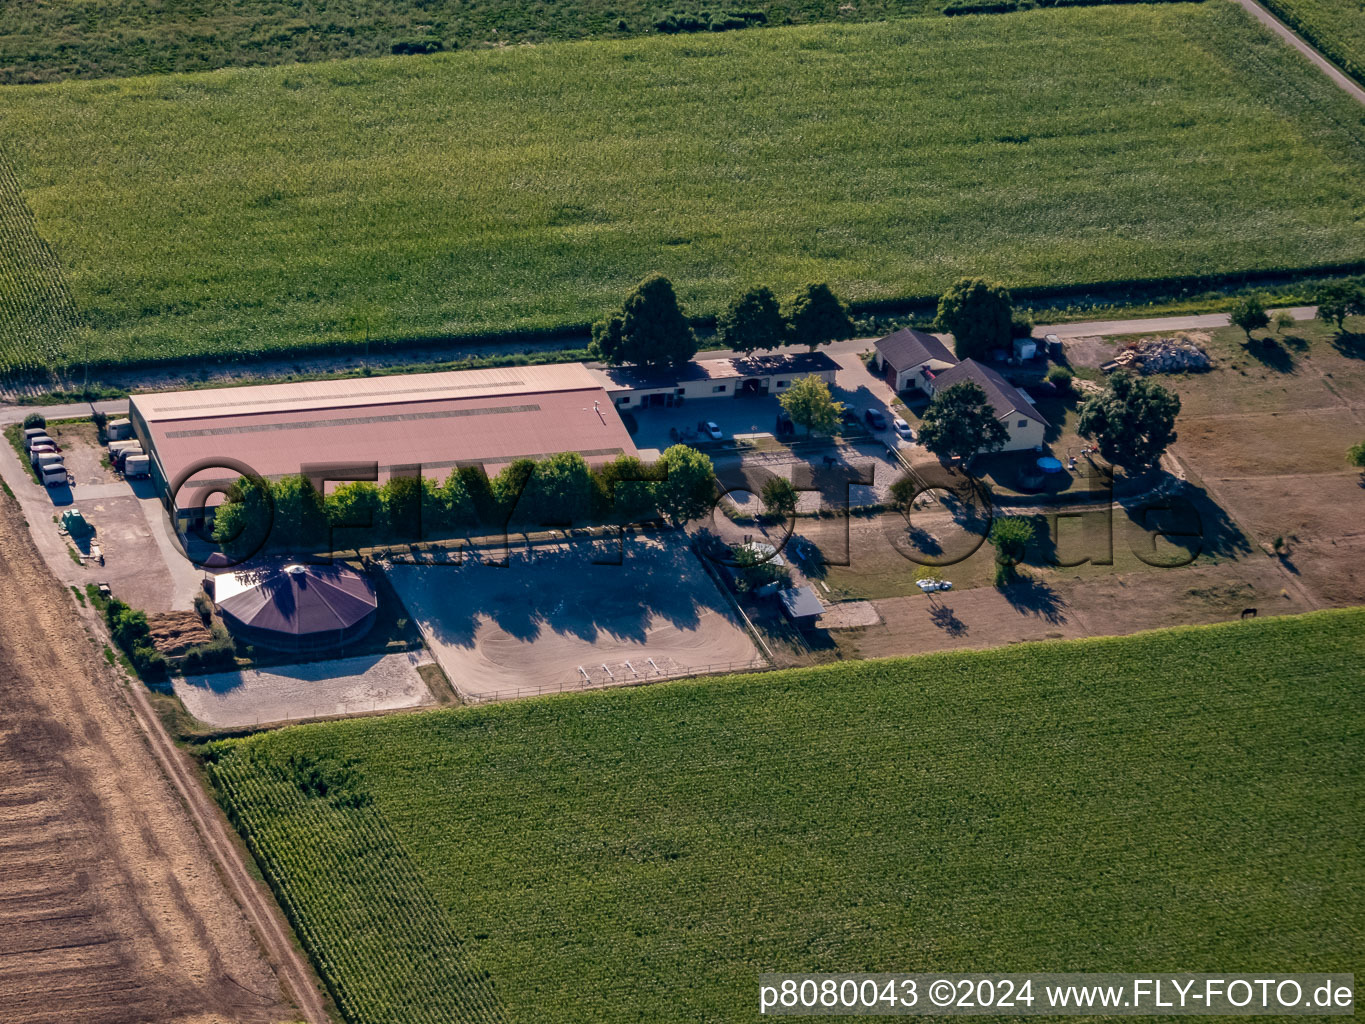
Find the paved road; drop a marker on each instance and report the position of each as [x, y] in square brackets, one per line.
[1155, 325]
[1318, 60]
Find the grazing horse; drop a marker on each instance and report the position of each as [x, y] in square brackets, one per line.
[1248, 613]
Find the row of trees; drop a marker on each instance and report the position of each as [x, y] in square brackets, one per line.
[1336, 300]
[290, 513]
[651, 330]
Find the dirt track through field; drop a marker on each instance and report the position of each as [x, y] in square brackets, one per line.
[112, 910]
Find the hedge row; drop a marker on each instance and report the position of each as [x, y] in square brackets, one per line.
[1009, 6]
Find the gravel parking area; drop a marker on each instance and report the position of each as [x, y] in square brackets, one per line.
[346, 686]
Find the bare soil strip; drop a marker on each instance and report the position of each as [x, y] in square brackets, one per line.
[113, 907]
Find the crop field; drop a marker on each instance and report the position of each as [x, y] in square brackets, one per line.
[39, 325]
[56, 39]
[644, 854]
[249, 211]
[1335, 27]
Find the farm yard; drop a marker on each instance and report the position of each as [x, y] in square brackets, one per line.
[669, 843]
[244, 212]
[1262, 448]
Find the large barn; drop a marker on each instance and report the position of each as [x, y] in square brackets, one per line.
[433, 420]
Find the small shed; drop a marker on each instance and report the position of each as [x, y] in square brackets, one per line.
[119, 430]
[802, 605]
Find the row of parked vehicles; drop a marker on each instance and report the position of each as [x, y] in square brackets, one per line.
[125, 455]
[46, 457]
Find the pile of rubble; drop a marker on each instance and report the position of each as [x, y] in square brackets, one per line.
[1177, 354]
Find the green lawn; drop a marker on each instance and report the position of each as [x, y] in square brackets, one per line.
[1335, 27]
[1183, 800]
[245, 211]
[47, 40]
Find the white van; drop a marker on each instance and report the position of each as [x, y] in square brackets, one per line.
[53, 474]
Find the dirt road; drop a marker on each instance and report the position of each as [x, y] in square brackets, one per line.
[112, 907]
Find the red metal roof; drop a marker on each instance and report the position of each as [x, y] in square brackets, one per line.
[276, 438]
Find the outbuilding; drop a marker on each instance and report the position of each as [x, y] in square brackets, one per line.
[911, 359]
[296, 607]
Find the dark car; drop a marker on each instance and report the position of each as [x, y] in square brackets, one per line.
[849, 418]
[875, 419]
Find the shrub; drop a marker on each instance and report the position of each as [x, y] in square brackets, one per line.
[779, 497]
[1061, 378]
[34, 419]
[429, 44]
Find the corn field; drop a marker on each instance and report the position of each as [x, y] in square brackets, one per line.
[39, 323]
[344, 880]
[249, 212]
[642, 854]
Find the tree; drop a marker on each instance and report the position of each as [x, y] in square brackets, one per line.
[1132, 419]
[1355, 455]
[1011, 536]
[608, 344]
[1340, 299]
[979, 314]
[300, 514]
[400, 508]
[753, 322]
[508, 487]
[818, 317]
[354, 506]
[960, 422]
[1249, 314]
[688, 490]
[242, 523]
[446, 506]
[35, 419]
[753, 571]
[625, 489]
[650, 330]
[779, 497]
[559, 490]
[808, 403]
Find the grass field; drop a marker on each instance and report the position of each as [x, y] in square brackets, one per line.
[47, 41]
[644, 854]
[1335, 27]
[248, 211]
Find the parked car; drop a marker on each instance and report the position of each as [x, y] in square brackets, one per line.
[903, 429]
[54, 474]
[875, 419]
[713, 431]
[929, 586]
[848, 417]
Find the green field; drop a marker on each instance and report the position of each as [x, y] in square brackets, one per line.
[48, 40]
[246, 211]
[1184, 800]
[1335, 27]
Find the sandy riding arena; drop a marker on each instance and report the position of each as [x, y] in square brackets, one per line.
[555, 620]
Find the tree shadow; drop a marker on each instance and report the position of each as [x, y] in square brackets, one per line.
[1270, 354]
[1031, 596]
[1350, 344]
[1296, 342]
[946, 619]
[1188, 520]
